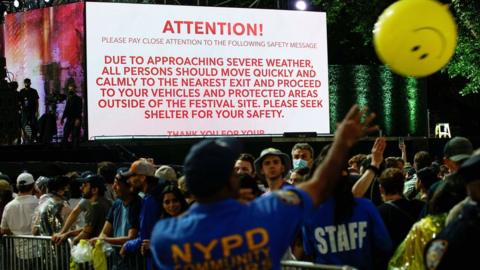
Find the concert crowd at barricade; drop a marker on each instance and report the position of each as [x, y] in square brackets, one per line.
[226, 209]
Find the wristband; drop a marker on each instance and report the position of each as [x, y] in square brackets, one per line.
[374, 169]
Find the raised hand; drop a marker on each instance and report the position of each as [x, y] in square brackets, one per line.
[377, 151]
[352, 128]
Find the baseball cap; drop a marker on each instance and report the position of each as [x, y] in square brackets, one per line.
[25, 179]
[209, 165]
[470, 169]
[121, 175]
[94, 180]
[5, 185]
[458, 149]
[273, 152]
[140, 167]
[166, 172]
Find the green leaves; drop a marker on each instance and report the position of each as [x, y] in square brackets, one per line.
[466, 61]
[350, 25]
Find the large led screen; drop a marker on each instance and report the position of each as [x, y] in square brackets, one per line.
[157, 70]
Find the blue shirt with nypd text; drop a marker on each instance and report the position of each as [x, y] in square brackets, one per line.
[349, 243]
[231, 235]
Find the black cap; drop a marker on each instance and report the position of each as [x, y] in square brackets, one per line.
[458, 149]
[122, 176]
[94, 180]
[209, 165]
[470, 169]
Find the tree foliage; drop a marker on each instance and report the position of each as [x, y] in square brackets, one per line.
[466, 61]
[350, 25]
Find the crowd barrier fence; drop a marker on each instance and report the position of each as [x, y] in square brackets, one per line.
[27, 252]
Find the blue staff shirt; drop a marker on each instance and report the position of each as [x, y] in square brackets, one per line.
[349, 243]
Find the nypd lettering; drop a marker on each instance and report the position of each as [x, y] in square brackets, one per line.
[257, 256]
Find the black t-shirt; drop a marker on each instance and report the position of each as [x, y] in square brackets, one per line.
[73, 108]
[373, 192]
[29, 100]
[399, 216]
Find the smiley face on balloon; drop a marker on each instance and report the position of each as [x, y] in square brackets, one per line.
[415, 37]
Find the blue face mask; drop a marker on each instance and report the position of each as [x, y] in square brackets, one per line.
[299, 163]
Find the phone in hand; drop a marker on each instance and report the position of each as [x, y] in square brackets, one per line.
[401, 141]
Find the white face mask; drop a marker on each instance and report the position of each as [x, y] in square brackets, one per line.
[299, 163]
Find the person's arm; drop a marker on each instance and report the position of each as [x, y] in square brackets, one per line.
[64, 233]
[363, 183]
[122, 239]
[347, 134]
[61, 237]
[85, 233]
[5, 232]
[72, 217]
[106, 231]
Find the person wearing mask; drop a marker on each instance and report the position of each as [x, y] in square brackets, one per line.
[218, 229]
[302, 155]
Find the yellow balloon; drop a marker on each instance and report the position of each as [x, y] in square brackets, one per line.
[415, 37]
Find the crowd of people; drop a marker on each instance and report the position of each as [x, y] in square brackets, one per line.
[229, 210]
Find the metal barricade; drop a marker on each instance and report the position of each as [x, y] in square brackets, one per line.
[129, 262]
[116, 262]
[299, 265]
[27, 252]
